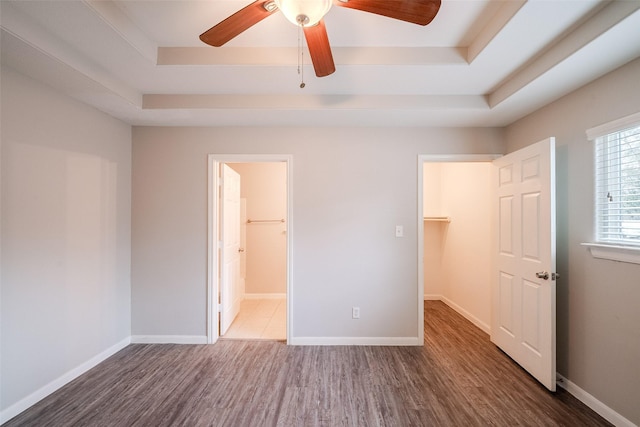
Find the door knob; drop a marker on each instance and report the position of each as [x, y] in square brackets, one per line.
[542, 275]
[240, 249]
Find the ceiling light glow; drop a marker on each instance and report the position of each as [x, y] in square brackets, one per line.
[304, 13]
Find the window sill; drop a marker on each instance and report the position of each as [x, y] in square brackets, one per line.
[614, 253]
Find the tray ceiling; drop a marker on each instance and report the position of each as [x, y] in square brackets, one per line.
[479, 63]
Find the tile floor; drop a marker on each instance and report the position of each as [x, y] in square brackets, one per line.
[260, 319]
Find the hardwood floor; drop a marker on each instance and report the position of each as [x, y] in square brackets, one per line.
[457, 379]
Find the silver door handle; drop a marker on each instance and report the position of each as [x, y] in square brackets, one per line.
[542, 275]
[241, 250]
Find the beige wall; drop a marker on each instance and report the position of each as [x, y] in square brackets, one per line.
[350, 188]
[264, 186]
[457, 254]
[66, 206]
[598, 307]
[435, 232]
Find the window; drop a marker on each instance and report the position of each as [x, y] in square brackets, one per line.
[618, 187]
[617, 190]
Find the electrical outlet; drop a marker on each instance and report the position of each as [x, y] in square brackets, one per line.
[355, 312]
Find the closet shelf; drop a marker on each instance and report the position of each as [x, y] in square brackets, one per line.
[438, 218]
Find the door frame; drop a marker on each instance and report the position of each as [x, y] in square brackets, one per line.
[436, 158]
[213, 233]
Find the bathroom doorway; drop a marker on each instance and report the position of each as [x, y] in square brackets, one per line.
[263, 252]
[261, 276]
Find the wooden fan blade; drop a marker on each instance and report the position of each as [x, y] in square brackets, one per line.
[419, 12]
[319, 49]
[237, 23]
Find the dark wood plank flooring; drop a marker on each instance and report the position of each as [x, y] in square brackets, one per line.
[457, 379]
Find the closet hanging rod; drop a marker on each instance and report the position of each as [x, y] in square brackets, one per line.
[249, 221]
[438, 218]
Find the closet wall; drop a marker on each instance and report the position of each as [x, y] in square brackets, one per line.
[457, 254]
[264, 186]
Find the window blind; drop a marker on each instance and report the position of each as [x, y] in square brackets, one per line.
[618, 187]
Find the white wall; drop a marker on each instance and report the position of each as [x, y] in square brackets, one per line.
[466, 261]
[264, 185]
[458, 254]
[598, 314]
[351, 187]
[66, 179]
[435, 232]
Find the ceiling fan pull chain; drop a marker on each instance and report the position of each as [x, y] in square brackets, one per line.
[300, 57]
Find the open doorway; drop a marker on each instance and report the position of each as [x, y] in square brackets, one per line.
[456, 234]
[515, 236]
[259, 281]
[263, 252]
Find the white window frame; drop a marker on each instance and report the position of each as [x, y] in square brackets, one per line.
[616, 251]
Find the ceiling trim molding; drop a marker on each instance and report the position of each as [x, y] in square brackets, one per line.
[49, 46]
[593, 27]
[122, 25]
[506, 12]
[288, 56]
[314, 102]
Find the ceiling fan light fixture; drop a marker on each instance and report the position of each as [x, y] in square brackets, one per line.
[304, 13]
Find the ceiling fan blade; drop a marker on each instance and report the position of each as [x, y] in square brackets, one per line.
[238, 22]
[419, 12]
[319, 49]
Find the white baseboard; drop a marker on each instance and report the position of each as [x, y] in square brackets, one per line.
[375, 341]
[58, 383]
[470, 317]
[603, 410]
[169, 339]
[265, 296]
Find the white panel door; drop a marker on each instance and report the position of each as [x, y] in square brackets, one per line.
[230, 286]
[523, 319]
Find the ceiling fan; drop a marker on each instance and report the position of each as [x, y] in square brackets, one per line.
[308, 14]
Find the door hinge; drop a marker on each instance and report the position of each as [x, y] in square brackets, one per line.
[555, 276]
[219, 308]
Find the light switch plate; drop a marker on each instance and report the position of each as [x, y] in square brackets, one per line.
[399, 231]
